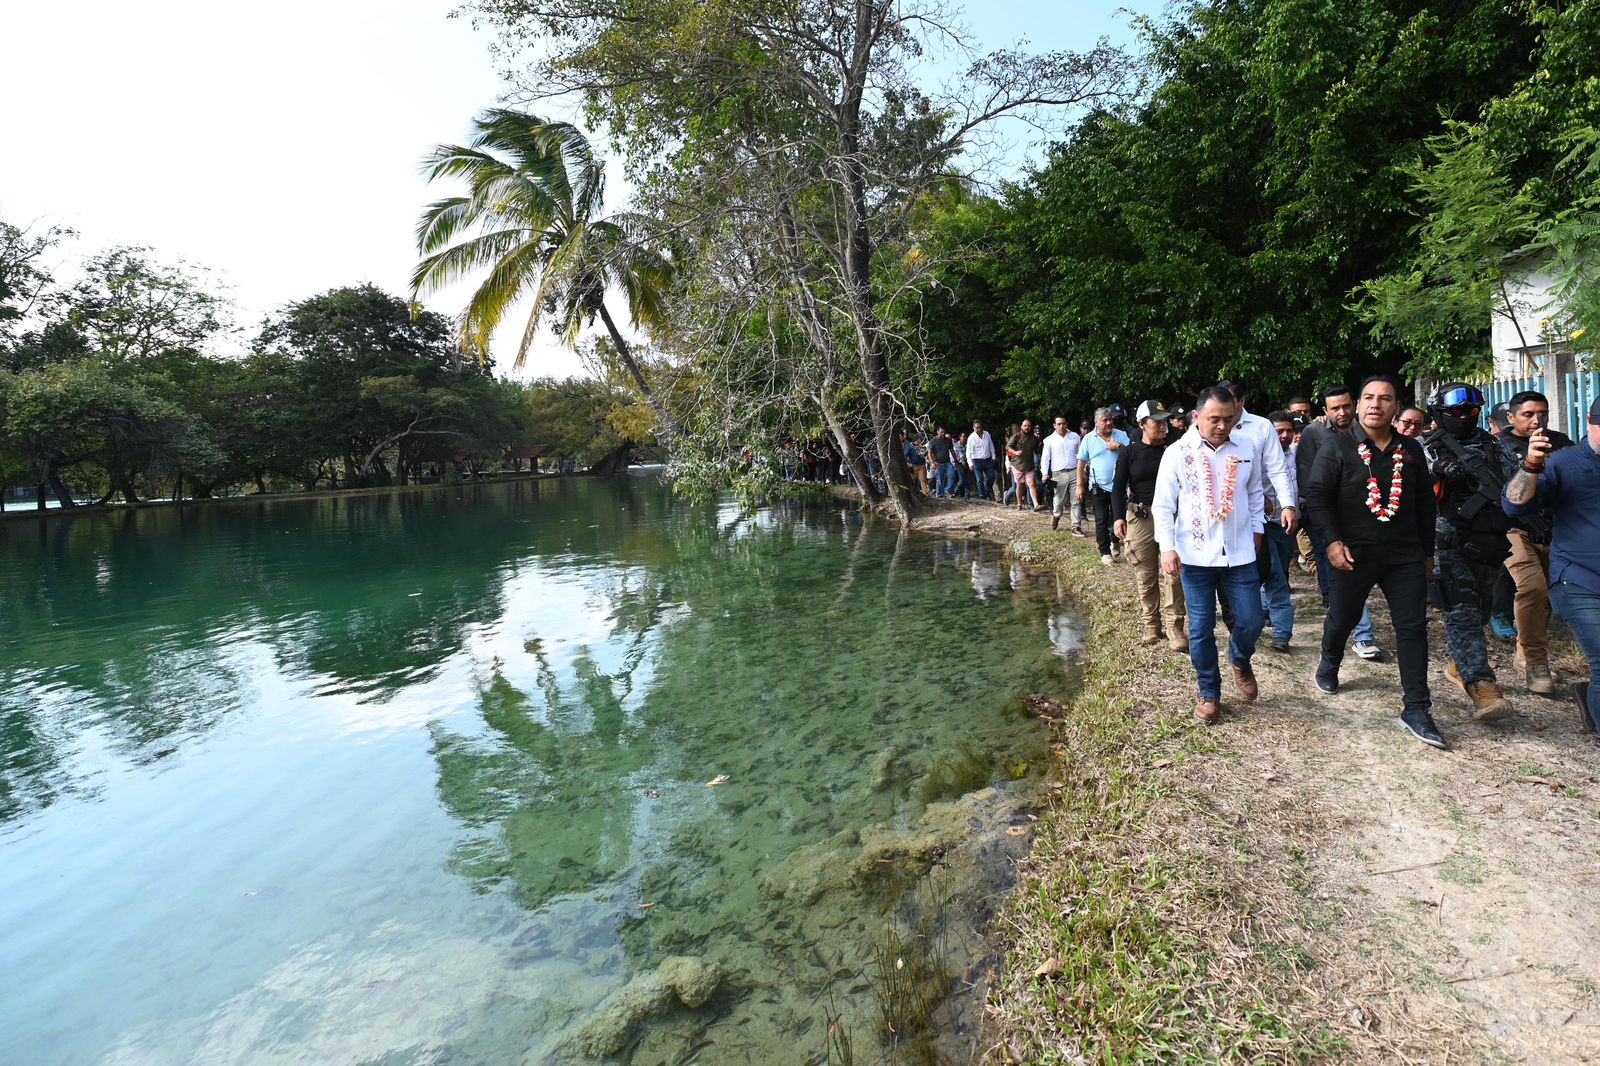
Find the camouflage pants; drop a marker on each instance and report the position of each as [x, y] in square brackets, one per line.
[1470, 585]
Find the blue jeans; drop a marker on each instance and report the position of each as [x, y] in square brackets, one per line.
[944, 479]
[1580, 609]
[1319, 545]
[1241, 586]
[963, 480]
[984, 470]
[1280, 549]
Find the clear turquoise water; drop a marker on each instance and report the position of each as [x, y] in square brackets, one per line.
[366, 780]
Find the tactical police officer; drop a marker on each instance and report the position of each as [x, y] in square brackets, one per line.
[1469, 470]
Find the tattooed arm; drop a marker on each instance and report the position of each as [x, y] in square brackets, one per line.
[1524, 484]
[1522, 487]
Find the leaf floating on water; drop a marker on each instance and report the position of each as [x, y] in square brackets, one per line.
[651, 793]
[720, 779]
[1048, 968]
[646, 906]
[1016, 831]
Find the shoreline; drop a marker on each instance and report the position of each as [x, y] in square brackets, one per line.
[256, 497]
[1302, 882]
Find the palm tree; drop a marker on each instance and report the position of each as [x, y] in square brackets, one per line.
[531, 219]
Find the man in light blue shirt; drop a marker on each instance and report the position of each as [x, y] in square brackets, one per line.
[1097, 473]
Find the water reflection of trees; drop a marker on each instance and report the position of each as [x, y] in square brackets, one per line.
[122, 623]
[785, 651]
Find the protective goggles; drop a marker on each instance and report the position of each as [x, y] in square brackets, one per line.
[1457, 396]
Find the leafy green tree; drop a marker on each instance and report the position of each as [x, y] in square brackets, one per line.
[26, 282]
[798, 129]
[356, 365]
[129, 308]
[83, 417]
[533, 213]
[1218, 228]
[1523, 180]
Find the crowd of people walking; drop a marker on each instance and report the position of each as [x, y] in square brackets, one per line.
[1215, 507]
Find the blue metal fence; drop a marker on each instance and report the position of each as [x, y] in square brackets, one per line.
[1581, 392]
[1501, 391]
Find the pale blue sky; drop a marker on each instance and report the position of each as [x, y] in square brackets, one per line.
[278, 144]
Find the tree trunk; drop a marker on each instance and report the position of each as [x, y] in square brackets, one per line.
[177, 488]
[667, 428]
[858, 253]
[615, 461]
[52, 475]
[853, 456]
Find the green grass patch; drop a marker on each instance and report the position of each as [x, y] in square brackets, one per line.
[1150, 950]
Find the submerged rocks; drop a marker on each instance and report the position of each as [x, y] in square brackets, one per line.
[689, 981]
[853, 858]
[694, 981]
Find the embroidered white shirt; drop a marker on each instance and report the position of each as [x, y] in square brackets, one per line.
[1185, 522]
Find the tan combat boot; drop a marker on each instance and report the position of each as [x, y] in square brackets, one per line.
[1489, 704]
[1541, 682]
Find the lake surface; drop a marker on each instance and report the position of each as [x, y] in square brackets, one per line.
[424, 777]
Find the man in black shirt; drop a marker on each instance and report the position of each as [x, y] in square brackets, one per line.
[1529, 563]
[1370, 497]
[1339, 414]
[941, 449]
[1133, 489]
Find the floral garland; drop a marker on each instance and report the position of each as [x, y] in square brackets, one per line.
[1221, 508]
[1374, 497]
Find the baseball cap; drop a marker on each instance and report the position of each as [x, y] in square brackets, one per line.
[1500, 414]
[1153, 409]
[1298, 419]
[1594, 413]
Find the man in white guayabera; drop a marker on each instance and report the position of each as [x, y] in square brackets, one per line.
[1210, 498]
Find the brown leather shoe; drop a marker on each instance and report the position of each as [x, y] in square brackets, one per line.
[1148, 638]
[1246, 679]
[1178, 641]
[1055, 522]
[1208, 711]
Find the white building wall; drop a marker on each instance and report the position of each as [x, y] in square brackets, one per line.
[1530, 297]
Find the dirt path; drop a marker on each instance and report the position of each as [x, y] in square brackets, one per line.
[1455, 892]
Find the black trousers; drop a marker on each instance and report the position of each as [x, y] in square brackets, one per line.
[1103, 518]
[1405, 586]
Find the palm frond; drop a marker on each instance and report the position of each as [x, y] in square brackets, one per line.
[504, 285]
[468, 257]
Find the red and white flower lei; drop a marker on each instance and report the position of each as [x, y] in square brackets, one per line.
[1374, 498]
[1220, 509]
